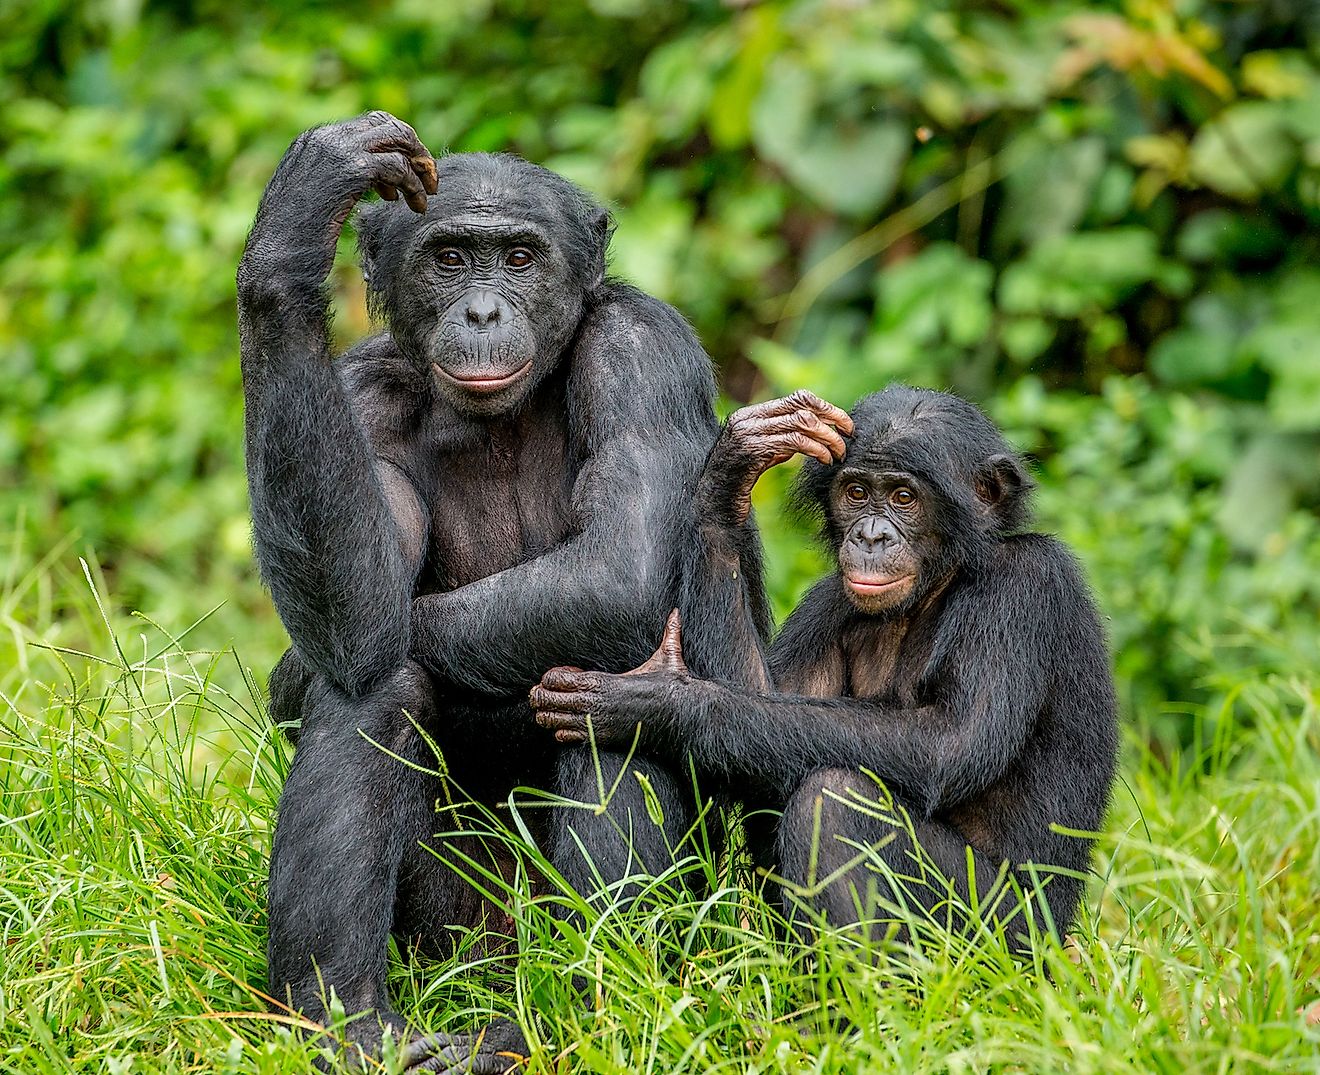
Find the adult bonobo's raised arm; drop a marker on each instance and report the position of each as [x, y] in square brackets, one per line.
[497, 484]
[338, 527]
[955, 659]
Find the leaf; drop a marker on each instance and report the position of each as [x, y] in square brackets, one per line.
[1246, 149]
[848, 164]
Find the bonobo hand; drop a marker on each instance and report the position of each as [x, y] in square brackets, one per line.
[567, 700]
[321, 178]
[758, 437]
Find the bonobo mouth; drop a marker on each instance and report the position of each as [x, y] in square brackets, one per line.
[483, 384]
[871, 586]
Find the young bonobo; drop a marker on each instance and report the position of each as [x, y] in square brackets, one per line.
[959, 661]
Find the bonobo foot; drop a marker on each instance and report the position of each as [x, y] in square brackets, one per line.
[498, 1049]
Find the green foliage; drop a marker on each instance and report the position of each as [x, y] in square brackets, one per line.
[1106, 202]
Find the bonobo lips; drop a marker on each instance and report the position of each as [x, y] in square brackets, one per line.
[868, 587]
[483, 384]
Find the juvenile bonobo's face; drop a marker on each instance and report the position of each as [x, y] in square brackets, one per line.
[927, 488]
[882, 523]
[485, 289]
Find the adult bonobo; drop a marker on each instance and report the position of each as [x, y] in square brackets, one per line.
[486, 490]
[959, 661]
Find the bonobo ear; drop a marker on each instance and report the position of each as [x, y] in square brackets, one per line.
[602, 229]
[1003, 488]
[369, 223]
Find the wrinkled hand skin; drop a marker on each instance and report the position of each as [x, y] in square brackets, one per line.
[761, 436]
[581, 707]
[324, 174]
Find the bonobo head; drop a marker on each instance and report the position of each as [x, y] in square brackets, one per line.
[928, 486]
[485, 290]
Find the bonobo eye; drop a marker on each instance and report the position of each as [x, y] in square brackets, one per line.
[518, 258]
[855, 492]
[903, 497]
[450, 258]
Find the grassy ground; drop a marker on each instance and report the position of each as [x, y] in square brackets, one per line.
[139, 782]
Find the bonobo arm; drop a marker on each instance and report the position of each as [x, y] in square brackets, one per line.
[720, 598]
[337, 531]
[640, 397]
[983, 692]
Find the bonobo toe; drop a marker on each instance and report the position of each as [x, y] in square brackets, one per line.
[496, 1051]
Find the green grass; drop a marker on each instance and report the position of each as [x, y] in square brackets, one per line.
[139, 778]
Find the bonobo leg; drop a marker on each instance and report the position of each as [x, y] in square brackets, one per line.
[829, 824]
[346, 814]
[590, 848]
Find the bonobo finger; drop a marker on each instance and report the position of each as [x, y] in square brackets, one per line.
[567, 737]
[800, 442]
[419, 1051]
[558, 701]
[827, 412]
[805, 422]
[396, 169]
[387, 191]
[386, 132]
[565, 723]
[668, 656]
[425, 168]
[569, 679]
[818, 430]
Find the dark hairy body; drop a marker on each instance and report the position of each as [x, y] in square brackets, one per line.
[487, 490]
[955, 660]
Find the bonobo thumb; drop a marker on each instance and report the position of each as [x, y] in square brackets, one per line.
[669, 657]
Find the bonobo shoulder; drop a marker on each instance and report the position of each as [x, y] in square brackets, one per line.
[1037, 574]
[386, 391]
[1039, 558]
[639, 351]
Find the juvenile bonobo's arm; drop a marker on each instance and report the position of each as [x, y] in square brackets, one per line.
[719, 599]
[640, 394]
[338, 533]
[983, 696]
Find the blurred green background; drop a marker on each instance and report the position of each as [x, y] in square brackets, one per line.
[1096, 219]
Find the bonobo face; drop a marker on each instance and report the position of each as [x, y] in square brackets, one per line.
[485, 289]
[882, 520]
[928, 488]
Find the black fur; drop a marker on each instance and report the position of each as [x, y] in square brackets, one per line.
[976, 688]
[432, 548]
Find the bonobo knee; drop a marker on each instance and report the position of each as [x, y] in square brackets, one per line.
[387, 714]
[827, 802]
[840, 792]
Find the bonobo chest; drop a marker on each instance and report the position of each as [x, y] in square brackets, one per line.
[886, 658]
[501, 497]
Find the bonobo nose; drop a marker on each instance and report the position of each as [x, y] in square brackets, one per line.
[483, 309]
[872, 532]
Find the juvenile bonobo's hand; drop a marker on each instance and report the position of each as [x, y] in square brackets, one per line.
[567, 700]
[321, 177]
[758, 437]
